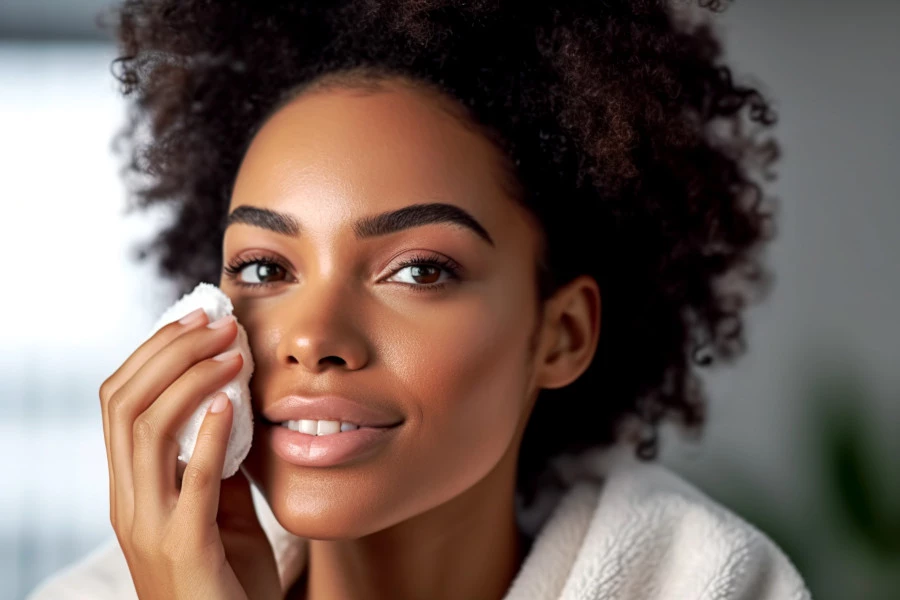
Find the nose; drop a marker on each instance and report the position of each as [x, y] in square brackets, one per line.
[323, 324]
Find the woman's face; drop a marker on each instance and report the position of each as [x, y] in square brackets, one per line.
[337, 315]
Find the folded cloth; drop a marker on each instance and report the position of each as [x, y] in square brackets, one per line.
[217, 304]
[616, 529]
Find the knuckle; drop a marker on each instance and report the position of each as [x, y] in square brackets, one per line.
[117, 405]
[141, 542]
[144, 432]
[192, 377]
[106, 390]
[207, 438]
[195, 344]
[201, 376]
[174, 550]
[169, 556]
[195, 478]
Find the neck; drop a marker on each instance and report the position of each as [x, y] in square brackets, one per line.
[469, 547]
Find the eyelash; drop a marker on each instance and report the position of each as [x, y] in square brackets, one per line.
[234, 268]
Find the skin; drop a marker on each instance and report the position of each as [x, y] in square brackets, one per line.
[432, 513]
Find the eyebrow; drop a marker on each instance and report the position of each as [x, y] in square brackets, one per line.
[385, 223]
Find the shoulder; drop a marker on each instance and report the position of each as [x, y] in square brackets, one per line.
[101, 575]
[654, 529]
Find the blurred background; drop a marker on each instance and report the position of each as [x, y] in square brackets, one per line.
[802, 435]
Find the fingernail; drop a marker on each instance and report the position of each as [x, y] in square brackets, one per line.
[227, 355]
[221, 322]
[192, 318]
[218, 404]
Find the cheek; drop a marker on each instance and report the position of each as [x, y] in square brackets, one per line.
[465, 373]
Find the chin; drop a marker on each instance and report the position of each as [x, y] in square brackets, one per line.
[320, 504]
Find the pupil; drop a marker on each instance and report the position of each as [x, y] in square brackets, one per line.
[417, 272]
[263, 270]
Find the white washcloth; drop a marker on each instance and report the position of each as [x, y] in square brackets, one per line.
[622, 530]
[217, 304]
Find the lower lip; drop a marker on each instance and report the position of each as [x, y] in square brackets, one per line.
[307, 450]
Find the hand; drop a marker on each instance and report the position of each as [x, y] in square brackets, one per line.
[198, 537]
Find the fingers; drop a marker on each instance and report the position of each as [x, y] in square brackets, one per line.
[146, 384]
[155, 431]
[198, 502]
[150, 347]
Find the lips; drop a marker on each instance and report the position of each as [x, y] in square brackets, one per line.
[304, 450]
[330, 408]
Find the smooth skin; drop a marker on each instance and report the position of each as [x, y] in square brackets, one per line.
[432, 513]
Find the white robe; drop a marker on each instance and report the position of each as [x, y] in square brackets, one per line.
[621, 529]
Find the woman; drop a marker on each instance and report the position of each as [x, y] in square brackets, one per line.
[424, 207]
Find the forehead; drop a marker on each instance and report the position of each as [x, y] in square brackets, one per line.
[340, 153]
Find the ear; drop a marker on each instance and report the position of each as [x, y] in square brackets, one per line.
[571, 331]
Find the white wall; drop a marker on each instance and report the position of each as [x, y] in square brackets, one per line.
[834, 70]
[73, 307]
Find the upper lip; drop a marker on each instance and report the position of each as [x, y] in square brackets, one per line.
[328, 408]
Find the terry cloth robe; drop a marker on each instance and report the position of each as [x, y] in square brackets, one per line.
[617, 529]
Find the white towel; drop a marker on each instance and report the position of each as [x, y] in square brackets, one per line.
[623, 530]
[217, 304]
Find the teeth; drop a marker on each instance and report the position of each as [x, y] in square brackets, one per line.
[328, 427]
[313, 427]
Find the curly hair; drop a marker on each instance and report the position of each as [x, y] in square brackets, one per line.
[620, 132]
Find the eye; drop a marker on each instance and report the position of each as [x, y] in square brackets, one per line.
[255, 271]
[428, 268]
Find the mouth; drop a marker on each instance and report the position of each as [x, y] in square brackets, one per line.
[331, 447]
[323, 427]
[328, 415]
